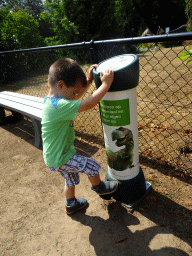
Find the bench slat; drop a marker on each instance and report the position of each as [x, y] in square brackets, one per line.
[23, 109]
[29, 101]
[27, 105]
[24, 106]
[22, 96]
[24, 102]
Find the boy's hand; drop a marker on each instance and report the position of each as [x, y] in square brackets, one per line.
[107, 77]
[90, 77]
[91, 101]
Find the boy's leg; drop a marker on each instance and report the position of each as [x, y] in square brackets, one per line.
[105, 187]
[95, 180]
[92, 169]
[70, 171]
[69, 192]
[71, 179]
[73, 204]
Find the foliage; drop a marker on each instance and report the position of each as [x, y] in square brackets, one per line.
[128, 19]
[79, 20]
[148, 45]
[33, 7]
[64, 30]
[18, 30]
[161, 13]
[70, 21]
[186, 54]
[188, 12]
[94, 19]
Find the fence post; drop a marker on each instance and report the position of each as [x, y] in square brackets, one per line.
[94, 53]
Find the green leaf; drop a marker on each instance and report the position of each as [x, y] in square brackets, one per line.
[188, 61]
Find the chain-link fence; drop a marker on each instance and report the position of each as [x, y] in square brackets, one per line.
[164, 92]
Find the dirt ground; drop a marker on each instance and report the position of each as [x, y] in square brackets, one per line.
[34, 222]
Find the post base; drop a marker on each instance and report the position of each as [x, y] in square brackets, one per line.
[131, 206]
[129, 191]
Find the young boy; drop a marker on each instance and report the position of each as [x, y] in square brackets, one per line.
[68, 83]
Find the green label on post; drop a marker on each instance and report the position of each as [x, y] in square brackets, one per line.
[115, 112]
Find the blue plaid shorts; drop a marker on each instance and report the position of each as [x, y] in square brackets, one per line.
[77, 164]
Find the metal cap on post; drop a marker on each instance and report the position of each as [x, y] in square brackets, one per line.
[119, 120]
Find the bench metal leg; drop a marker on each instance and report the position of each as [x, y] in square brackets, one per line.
[37, 129]
[2, 116]
[17, 115]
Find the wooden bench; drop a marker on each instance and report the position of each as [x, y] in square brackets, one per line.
[26, 105]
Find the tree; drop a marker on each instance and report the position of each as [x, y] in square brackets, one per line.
[18, 30]
[33, 7]
[188, 12]
[93, 19]
[161, 13]
[64, 30]
[128, 19]
[79, 20]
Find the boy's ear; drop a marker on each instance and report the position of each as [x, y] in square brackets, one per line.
[60, 84]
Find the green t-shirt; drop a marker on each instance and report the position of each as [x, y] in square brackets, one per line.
[57, 130]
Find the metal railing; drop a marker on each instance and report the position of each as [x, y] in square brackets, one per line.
[164, 92]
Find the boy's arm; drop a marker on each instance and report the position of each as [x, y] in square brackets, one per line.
[91, 101]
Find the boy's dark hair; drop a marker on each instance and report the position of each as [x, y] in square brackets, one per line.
[67, 70]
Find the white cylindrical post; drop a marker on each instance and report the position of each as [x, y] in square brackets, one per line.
[119, 120]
